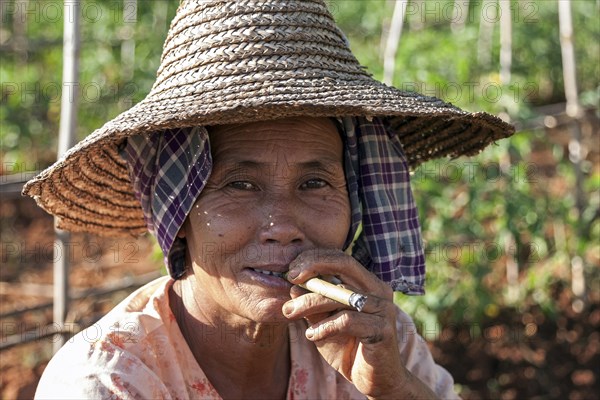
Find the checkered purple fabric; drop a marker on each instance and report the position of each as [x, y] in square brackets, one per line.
[390, 243]
[169, 170]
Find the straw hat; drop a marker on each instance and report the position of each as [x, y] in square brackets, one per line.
[241, 61]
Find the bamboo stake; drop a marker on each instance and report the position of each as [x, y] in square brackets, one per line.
[573, 110]
[484, 41]
[512, 266]
[21, 42]
[66, 139]
[128, 44]
[568, 58]
[461, 13]
[159, 16]
[391, 48]
[505, 41]
[385, 31]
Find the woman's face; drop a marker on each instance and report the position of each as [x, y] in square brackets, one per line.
[277, 188]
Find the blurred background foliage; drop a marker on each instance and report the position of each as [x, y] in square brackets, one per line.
[502, 209]
[502, 195]
[508, 231]
[515, 205]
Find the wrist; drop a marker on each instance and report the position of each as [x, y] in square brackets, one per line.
[408, 388]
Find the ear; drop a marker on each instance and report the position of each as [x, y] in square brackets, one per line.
[181, 233]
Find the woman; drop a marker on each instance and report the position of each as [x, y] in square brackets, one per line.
[264, 156]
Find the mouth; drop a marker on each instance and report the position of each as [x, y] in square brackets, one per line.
[271, 273]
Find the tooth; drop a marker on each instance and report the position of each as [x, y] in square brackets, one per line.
[272, 273]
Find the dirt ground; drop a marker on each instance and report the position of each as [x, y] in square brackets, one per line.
[514, 356]
[27, 256]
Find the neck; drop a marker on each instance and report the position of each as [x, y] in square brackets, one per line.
[230, 348]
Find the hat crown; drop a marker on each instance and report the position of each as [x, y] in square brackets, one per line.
[243, 61]
[213, 44]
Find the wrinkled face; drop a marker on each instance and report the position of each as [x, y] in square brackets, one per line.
[277, 188]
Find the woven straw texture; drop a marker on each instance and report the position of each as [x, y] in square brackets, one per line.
[231, 62]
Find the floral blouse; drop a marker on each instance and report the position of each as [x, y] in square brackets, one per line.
[137, 351]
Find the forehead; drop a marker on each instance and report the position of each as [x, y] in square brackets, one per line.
[295, 137]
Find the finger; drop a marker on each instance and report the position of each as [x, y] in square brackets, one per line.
[375, 305]
[367, 328]
[297, 291]
[315, 262]
[347, 297]
[311, 306]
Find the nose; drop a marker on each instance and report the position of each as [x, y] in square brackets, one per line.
[282, 226]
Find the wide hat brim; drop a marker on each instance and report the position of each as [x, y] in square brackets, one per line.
[89, 189]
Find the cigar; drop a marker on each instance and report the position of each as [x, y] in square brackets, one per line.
[335, 292]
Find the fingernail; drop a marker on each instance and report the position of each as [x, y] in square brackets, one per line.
[293, 274]
[310, 332]
[288, 308]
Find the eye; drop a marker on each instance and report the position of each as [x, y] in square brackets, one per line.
[313, 184]
[242, 185]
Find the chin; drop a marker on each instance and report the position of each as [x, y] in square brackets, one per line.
[269, 311]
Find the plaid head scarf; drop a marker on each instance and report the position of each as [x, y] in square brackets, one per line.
[169, 170]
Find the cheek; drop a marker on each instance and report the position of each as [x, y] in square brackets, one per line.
[220, 225]
[330, 220]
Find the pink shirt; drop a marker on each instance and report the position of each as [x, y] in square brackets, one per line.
[137, 351]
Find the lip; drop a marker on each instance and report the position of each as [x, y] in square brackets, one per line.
[272, 279]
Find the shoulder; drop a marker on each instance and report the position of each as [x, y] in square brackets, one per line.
[109, 357]
[418, 358]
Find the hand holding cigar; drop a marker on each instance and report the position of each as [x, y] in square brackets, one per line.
[335, 292]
